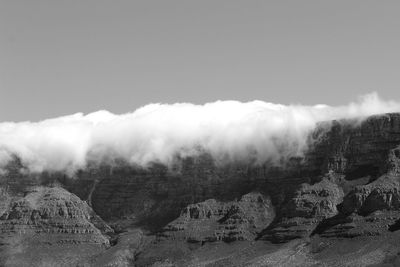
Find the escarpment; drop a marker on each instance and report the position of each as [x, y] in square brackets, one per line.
[347, 184]
[342, 155]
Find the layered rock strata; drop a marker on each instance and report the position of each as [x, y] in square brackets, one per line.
[48, 226]
[346, 185]
[211, 220]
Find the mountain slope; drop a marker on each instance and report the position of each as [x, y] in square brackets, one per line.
[337, 205]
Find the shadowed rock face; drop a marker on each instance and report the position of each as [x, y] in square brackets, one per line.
[371, 209]
[153, 199]
[309, 206]
[347, 185]
[211, 221]
[347, 153]
[381, 194]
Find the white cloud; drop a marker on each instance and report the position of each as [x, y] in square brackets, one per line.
[157, 132]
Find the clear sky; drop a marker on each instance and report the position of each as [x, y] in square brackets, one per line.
[62, 57]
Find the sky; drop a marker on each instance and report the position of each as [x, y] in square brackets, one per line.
[62, 57]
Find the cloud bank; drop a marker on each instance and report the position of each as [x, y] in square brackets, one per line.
[229, 130]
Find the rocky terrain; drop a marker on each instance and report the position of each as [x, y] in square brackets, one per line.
[339, 205]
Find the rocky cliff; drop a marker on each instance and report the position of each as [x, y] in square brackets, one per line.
[50, 220]
[346, 185]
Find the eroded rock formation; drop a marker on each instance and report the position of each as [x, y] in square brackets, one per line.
[346, 185]
[211, 220]
[52, 219]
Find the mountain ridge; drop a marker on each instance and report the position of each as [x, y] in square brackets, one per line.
[346, 185]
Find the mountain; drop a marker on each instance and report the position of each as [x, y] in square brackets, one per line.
[337, 205]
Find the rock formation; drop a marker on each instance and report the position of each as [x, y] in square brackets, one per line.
[211, 220]
[50, 219]
[200, 212]
[309, 205]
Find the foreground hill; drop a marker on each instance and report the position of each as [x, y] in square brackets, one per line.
[339, 205]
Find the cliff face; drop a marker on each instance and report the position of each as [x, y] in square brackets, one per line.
[358, 175]
[346, 185]
[355, 148]
[346, 150]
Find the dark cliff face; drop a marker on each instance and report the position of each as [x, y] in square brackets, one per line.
[153, 197]
[346, 185]
[354, 148]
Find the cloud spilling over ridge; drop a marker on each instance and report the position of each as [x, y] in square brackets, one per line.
[158, 132]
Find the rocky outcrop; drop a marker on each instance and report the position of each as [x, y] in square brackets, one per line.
[309, 205]
[212, 220]
[354, 225]
[369, 209]
[393, 161]
[49, 226]
[382, 194]
[47, 210]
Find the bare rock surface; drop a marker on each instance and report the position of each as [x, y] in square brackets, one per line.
[368, 210]
[37, 228]
[382, 194]
[212, 220]
[309, 205]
